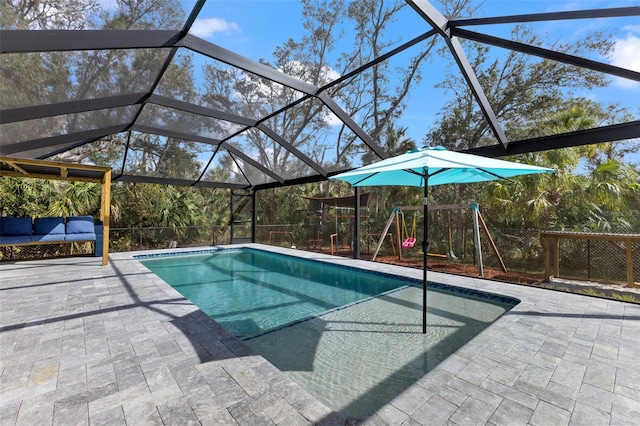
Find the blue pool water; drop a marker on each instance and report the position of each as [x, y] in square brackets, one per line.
[250, 291]
[351, 338]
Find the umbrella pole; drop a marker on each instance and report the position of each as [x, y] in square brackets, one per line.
[425, 247]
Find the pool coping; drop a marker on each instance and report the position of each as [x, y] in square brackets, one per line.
[554, 358]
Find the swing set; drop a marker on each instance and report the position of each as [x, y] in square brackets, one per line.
[408, 239]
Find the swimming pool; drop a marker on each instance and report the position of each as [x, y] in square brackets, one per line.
[251, 291]
[353, 354]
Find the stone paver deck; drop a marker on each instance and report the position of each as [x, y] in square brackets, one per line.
[86, 344]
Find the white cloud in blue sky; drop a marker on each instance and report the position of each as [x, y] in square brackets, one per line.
[626, 54]
[207, 27]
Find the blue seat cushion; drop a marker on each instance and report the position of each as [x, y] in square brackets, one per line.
[80, 225]
[48, 237]
[48, 226]
[16, 239]
[16, 226]
[85, 236]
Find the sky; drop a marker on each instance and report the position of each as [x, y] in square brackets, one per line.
[254, 28]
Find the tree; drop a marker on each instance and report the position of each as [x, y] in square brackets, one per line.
[521, 89]
[25, 197]
[584, 193]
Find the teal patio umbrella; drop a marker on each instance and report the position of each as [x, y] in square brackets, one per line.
[432, 166]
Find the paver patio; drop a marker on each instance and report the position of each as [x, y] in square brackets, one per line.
[86, 344]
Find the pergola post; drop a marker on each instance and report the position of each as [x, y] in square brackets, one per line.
[105, 215]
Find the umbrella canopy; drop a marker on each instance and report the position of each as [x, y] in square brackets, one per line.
[432, 166]
[439, 165]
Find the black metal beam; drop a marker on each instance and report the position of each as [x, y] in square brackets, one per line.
[440, 24]
[200, 110]
[228, 57]
[254, 217]
[27, 41]
[209, 141]
[348, 121]
[70, 107]
[612, 133]
[551, 16]
[292, 149]
[379, 59]
[547, 54]
[67, 148]
[193, 16]
[291, 182]
[62, 139]
[179, 182]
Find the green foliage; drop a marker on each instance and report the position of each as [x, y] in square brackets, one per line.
[594, 189]
[40, 198]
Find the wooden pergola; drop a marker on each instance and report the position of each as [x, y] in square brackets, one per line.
[41, 169]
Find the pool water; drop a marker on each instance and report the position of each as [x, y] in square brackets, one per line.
[353, 338]
[358, 359]
[251, 291]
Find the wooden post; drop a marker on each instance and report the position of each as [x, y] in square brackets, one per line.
[629, 262]
[394, 211]
[547, 256]
[556, 257]
[476, 239]
[105, 215]
[491, 243]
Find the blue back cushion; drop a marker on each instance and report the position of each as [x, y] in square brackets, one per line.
[15, 226]
[80, 225]
[48, 225]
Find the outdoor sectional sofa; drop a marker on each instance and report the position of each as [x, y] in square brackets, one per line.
[18, 231]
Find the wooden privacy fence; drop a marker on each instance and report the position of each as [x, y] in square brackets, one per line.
[625, 245]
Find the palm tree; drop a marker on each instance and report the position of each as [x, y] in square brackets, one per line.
[75, 199]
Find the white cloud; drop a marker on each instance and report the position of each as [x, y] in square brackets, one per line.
[207, 27]
[626, 54]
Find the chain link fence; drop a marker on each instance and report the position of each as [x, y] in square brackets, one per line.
[519, 249]
[40, 251]
[607, 258]
[151, 238]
